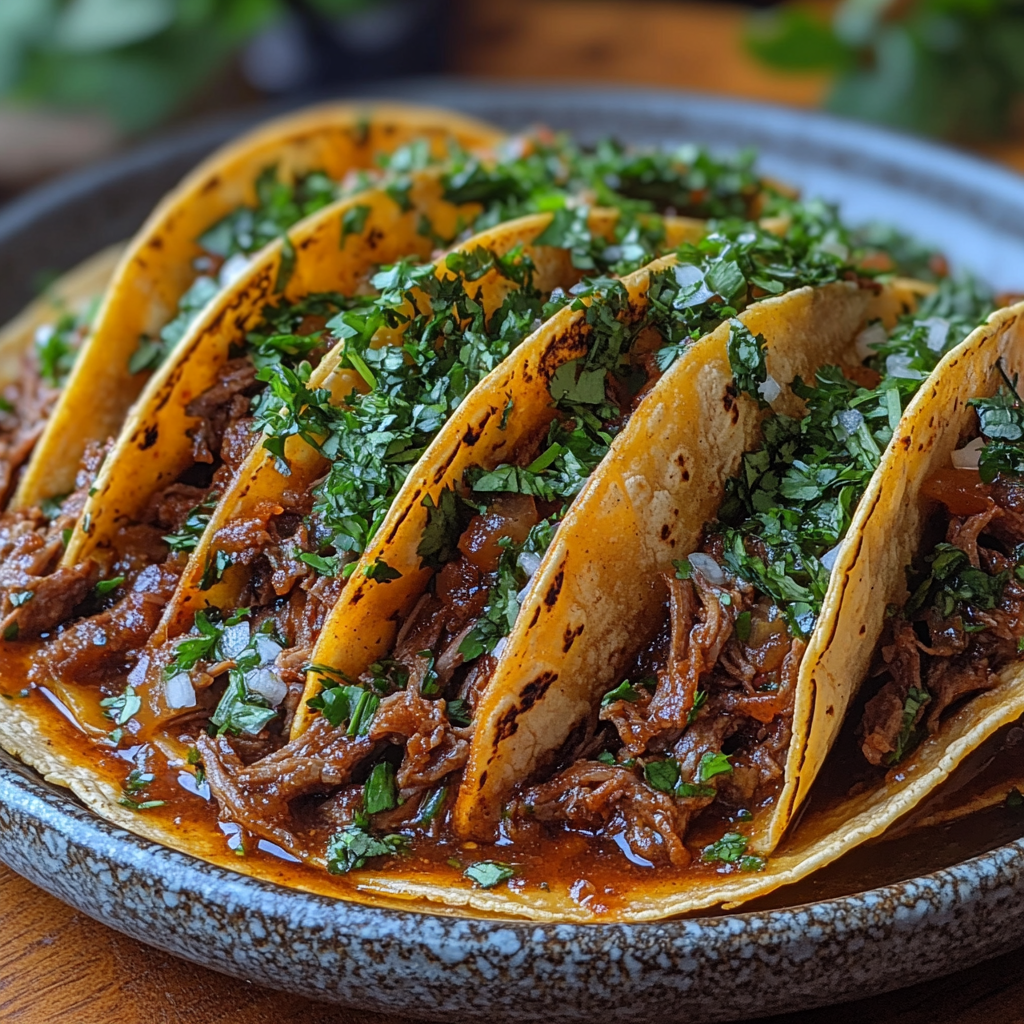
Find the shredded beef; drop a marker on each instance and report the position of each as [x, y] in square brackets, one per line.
[433, 747]
[591, 795]
[956, 662]
[29, 400]
[747, 690]
[104, 645]
[220, 406]
[170, 507]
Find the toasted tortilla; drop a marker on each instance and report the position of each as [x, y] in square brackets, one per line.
[156, 268]
[259, 479]
[596, 597]
[73, 292]
[154, 446]
[824, 834]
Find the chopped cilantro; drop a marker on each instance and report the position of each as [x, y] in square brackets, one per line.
[624, 691]
[106, 586]
[122, 708]
[438, 544]
[662, 775]
[954, 585]
[711, 765]
[909, 735]
[459, 712]
[729, 849]
[747, 360]
[431, 805]
[380, 793]
[489, 873]
[380, 572]
[187, 536]
[353, 845]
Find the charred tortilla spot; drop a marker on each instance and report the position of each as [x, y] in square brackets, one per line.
[533, 621]
[473, 434]
[863, 630]
[374, 237]
[358, 596]
[150, 437]
[565, 347]
[905, 442]
[555, 589]
[483, 779]
[442, 470]
[210, 185]
[570, 637]
[665, 531]
[506, 726]
[414, 501]
[532, 692]
[830, 711]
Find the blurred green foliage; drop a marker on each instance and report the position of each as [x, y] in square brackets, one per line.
[953, 68]
[135, 60]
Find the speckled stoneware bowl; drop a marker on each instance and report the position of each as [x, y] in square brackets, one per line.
[704, 969]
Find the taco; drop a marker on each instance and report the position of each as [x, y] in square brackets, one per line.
[706, 682]
[382, 661]
[197, 240]
[346, 422]
[37, 351]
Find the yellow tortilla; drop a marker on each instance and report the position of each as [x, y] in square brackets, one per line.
[596, 598]
[154, 447]
[156, 269]
[259, 478]
[72, 292]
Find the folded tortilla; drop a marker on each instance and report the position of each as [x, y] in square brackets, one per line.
[157, 268]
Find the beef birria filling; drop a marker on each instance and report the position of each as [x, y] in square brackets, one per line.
[698, 731]
[113, 618]
[382, 755]
[964, 619]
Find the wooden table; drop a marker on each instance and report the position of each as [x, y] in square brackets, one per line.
[57, 965]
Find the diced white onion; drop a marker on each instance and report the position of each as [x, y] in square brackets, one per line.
[850, 420]
[521, 596]
[557, 294]
[234, 639]
[834, 248]
[264, 682]
[232, 269]
[868, 341]
[529, 562]
[179, 691]
[137, 676]
[899, 366]
[829, 558]
[938, 332]
[770, 389]
[968, 456]
[44, 332]
[693, 290]
[499, 647]
[267, 648]
[707, 567]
